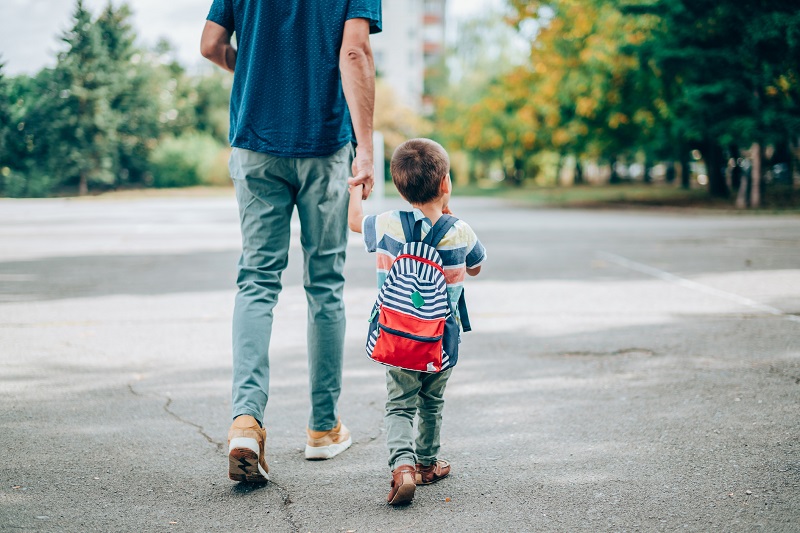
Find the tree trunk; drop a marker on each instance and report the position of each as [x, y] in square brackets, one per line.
[686, 170]
[613, 177]
[782, 165]
[717, 187]
[560, 170]
[794, 156]
[736, 170]
[742, 195]
[471, 174]
[756, 175]
[83, 184]
[578, 172]
[670, 175]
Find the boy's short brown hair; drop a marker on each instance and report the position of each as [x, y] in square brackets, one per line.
[418, 168]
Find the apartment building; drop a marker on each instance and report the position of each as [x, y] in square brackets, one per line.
[411, 48]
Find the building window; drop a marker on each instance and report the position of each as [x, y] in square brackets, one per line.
[434, 7]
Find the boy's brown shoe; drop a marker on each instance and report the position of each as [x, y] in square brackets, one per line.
[246, 460]
[432, 473]
[403, 485]
[327, 444]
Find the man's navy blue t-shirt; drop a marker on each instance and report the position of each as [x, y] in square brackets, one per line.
[287, 97]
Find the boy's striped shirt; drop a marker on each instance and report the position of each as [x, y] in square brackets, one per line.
[459, 248]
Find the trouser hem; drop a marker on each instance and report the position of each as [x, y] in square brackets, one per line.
[403, 461]
[240, 412]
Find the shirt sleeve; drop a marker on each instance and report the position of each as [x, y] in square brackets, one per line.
[476, 253]
[221, 12]
[366, 9]
[370, 232]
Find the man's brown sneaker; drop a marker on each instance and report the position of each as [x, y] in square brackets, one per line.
[432, 473]
[327, 444]
[246, 460]
[403, 485]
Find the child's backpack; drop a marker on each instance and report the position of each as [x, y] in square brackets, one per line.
[412, 324]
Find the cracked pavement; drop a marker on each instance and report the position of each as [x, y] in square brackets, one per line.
[627, 371]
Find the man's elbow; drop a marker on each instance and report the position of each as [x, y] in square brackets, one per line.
[208, 49]
[356, 54]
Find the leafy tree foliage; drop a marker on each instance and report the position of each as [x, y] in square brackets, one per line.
[731, 70]
[652, 79]
[94, 120]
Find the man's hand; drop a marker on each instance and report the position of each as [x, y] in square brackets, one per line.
[363, 171]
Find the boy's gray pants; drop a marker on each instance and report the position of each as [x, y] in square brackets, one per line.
[411, 393]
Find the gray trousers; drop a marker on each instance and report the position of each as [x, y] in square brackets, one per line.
[414, 393]
[268, 188]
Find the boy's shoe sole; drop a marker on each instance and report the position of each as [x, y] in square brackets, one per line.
[403, 486]
[243, 463]
[404, 495]
[318, 453]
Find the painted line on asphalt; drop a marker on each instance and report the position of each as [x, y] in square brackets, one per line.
[693, 285]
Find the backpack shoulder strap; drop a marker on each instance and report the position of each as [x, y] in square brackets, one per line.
[439, 230]
[462, 312]
[411, 228]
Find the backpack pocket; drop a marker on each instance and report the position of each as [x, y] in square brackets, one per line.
[450, 342]
[396, 345]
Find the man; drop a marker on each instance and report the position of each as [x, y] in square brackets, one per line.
[303, 93]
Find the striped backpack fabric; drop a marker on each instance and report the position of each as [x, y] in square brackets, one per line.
[412, 324]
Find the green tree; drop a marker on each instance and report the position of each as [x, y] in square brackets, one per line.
[479, 111]
[730, 75]
[587, 81]
[5, 116]
[96, 119]
[133, 121]
[82, 125]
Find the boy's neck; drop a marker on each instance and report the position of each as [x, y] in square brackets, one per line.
[432, 210]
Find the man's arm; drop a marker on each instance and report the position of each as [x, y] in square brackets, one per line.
[355, 212]
[215, 45]
[358, 82]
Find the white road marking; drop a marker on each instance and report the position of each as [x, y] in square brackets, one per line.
[693, 285]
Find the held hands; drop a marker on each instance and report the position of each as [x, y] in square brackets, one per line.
[363, 171]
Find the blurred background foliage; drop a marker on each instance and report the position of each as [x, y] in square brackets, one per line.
[111, 115]
[694, 94]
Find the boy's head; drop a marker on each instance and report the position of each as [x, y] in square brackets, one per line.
[419, 166]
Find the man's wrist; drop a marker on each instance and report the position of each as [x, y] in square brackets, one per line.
[365, 148]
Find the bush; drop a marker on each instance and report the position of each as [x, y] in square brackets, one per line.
[22, 184]
[188, 160]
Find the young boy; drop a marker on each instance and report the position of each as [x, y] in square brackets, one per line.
[421, 172]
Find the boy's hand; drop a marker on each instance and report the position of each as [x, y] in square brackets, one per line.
[355, 213]
[474, 271]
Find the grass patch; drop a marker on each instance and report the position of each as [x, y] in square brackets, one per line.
[586, 195]
[627, 195]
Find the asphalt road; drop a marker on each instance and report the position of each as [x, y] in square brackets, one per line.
[628, 371]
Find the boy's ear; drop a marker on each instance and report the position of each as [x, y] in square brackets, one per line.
[446, 185]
